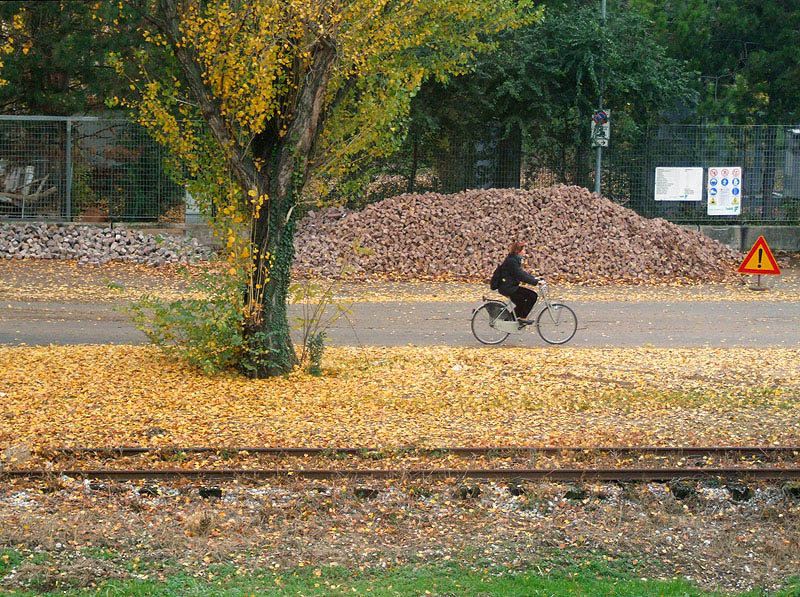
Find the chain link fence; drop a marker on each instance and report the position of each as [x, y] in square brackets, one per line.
[84, 169]
[767, 159]
[101, 170]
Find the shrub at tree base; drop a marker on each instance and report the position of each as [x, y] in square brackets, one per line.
[572, 235]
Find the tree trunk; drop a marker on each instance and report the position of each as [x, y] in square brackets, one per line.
[267, 341]
[412, 176]
[266, 333]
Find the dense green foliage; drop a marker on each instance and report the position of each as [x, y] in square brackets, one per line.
[546, 80]
[57, 65]
[745, 53]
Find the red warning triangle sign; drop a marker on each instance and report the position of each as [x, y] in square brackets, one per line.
[759, 260]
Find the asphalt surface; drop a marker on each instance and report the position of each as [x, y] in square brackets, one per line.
[683, 324]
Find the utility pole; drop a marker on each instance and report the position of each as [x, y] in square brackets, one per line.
[599, 158]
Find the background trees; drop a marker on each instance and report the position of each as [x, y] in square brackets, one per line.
[744, 53]
[57, 61]
[546, 78]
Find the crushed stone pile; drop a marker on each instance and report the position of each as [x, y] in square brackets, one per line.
[572, 235]
[92, 245]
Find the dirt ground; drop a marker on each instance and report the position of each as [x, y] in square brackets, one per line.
[73, 533]
[51, 280]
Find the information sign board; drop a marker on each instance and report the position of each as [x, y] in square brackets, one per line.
[601, 128]
[679, 184]
[725, 191]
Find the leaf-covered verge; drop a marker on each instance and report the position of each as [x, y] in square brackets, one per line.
[65, 281]
[394, 397]
[398, 538]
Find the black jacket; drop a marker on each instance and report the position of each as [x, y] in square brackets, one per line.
[511, 274]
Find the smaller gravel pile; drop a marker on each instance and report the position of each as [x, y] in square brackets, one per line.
[572, 235]
[91, 245]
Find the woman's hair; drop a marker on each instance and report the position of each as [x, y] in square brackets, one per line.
[516, 248]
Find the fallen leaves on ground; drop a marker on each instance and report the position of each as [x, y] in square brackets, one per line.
[65, 281]
[58, 281]
[393, 397]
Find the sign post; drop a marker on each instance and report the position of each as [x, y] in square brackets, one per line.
[759, 261]
[598, 170]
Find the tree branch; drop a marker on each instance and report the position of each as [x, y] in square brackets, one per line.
[302, 131]
[240, 163]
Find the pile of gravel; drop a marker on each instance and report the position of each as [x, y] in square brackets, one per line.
[573, 235]
[92, 245]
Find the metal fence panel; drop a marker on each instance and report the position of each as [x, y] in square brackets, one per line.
[83, 169]
[768, 155]
[107, 170]
[763, 152]
[33, 173]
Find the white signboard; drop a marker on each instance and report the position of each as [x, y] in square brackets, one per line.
[679, 184]
[601, 128]
[725, 191]
[600, 134]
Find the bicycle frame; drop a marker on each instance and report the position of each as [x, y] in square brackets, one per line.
[512, 326]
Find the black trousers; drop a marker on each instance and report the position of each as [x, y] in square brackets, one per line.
[524, 299]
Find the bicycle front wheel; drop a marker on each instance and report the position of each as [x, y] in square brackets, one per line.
[483, 323]
[557, 324]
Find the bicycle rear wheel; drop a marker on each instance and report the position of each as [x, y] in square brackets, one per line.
[557, 324]
[483, 323]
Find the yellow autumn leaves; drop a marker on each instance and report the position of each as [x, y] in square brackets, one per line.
[112, 395]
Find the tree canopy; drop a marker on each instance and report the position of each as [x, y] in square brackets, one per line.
[745, 54]
[253, 97]
[546, 79]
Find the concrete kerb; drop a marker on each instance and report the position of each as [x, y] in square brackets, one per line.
[741, 238]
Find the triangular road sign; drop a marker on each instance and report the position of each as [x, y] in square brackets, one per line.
[759, 260]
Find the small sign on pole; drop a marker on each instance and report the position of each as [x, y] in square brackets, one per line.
[601, 128]
[760, 261]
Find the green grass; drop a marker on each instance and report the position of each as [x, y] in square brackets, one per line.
[593, 577]
[8, 559]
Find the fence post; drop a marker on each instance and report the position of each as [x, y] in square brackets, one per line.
[69, 170]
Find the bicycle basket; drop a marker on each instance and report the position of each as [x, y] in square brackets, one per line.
[495, 309]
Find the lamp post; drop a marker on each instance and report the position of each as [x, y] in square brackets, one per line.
[599, 156]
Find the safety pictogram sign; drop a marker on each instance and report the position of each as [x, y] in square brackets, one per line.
[759, 260]
[725, 191]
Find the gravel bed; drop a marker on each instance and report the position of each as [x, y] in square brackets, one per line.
[92, 245]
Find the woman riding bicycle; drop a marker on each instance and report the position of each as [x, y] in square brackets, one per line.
[507, 278]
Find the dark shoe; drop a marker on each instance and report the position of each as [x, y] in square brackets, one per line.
[525, 321]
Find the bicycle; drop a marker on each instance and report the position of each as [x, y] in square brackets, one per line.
[495, 320]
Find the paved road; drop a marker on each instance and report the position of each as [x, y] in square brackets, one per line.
[616, 324]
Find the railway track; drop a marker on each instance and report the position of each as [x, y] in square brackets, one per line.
[784, 451]
[788, 455]
[546, 474]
